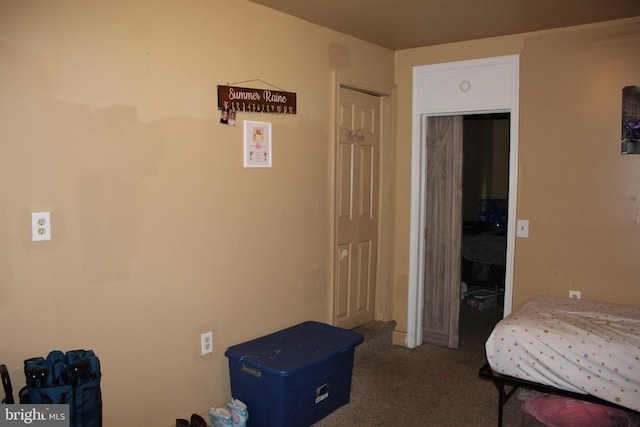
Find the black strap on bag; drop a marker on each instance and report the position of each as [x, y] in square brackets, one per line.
[6, 385]
[71, 378]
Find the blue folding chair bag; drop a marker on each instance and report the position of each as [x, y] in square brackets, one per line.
[71, 378]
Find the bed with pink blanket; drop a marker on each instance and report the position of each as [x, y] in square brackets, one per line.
[589, 350]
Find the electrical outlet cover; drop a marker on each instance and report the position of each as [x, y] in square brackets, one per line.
[40, 226]
[206, 343]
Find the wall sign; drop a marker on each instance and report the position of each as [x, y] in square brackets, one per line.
[233, 98]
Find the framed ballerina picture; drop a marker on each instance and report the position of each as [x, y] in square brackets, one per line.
[257, 144]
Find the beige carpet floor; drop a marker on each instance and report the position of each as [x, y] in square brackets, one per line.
[428, 386]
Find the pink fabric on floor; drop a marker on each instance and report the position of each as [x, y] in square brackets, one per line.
[555, 411]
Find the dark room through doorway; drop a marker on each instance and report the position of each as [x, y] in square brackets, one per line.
[485, 189]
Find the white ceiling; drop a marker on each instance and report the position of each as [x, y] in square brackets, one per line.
[403, 24]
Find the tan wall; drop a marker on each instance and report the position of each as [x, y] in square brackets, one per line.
[108, 120]
[581, 196]
[485, 163]
[500, 178]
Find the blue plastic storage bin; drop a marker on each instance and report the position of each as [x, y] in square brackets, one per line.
[294, 377]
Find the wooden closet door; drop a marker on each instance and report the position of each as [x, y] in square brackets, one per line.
[443, 232]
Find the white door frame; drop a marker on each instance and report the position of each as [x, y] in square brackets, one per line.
[487, 85]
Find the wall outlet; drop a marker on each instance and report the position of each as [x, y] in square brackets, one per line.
[206, 343]
[575, 294]
[40, 226]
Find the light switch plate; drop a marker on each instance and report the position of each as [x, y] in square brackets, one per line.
[522, 228]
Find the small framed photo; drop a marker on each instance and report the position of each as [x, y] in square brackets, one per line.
[257, 144]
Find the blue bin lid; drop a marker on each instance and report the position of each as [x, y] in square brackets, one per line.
[283, 353]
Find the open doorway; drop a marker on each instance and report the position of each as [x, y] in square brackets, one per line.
[467, 172]
[485, 190]
[488, 85]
